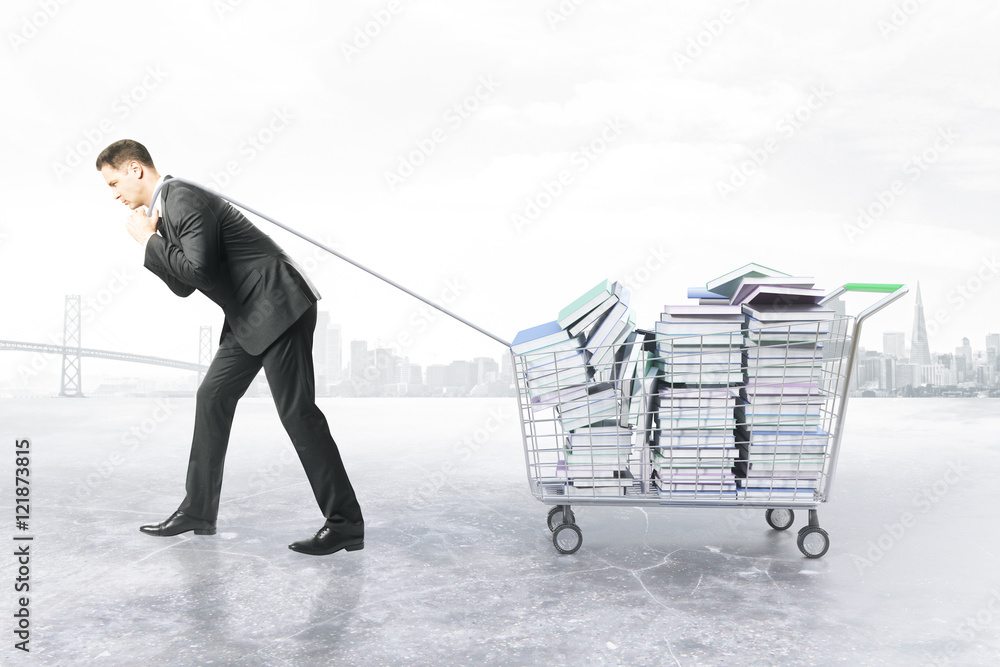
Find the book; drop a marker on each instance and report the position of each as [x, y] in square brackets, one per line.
[696, 437]
[676, 342]
[626, 358]
[673, 328]
[788, 450]
[538, 337]
[795, 352]
[600, 436]
[624, 373]
[732, 317]
[615, 327]
[572, 360]
[777, 495]
[706, 414]
[803, 333]
[545, 357]
[702, 293]
[769, 295]
[585, 303]
[619, 478]
[750, 283]
[558, 395]
[792, 372]
[671, 369]
[599, 403]
[791, 465]
[697, 357]
[790, 434]
[563, 378]
[667, 453]
[594, 317]
[780, 313]
[796, 409]
[699, 311]
[761, 483]
[604, 330]
[727, 283]
[550, 353]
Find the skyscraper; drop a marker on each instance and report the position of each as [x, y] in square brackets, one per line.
[335, 354]
[993, 350]
[964, 361]
[920, 350]
[894, 344]
[359, 360]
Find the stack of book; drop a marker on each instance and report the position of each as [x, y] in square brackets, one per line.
[699, 348]
[785, 332]
[583, 365]
[601, 319]
[697, 449]
[553, 360]
[597, 460]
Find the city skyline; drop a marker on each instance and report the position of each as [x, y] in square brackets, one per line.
[899, 368]
[32, 368]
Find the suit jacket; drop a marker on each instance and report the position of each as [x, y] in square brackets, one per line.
[204, 243]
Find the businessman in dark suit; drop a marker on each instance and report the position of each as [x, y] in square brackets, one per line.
[196, 240]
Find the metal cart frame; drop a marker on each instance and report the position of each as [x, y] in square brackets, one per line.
[545, 470]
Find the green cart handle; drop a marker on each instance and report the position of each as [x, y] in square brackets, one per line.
[893, 290]
[872, 287]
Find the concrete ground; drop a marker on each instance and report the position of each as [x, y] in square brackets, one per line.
[459, 567]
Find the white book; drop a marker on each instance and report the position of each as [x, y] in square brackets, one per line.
[751, 283]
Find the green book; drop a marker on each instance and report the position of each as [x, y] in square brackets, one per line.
[586, 303]
[725, 285]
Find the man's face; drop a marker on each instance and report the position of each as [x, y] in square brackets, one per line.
[126, 183]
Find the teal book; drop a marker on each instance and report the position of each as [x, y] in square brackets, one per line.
[726, 284]
[586, 303]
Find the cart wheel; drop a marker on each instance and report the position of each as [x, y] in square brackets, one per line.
[567, 537]
[780, 519]
[813, 541]
[555, 517]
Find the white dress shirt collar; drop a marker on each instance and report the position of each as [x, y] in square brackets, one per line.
[158, 204]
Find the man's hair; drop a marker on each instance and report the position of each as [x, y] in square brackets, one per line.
[122, 152]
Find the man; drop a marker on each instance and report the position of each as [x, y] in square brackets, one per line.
[196, 240]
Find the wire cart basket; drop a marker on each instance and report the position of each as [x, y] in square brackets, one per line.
[750, 418]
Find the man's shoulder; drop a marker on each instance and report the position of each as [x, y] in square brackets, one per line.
[177, 191]
[180, 198]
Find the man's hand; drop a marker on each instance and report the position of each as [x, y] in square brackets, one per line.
[141, 227]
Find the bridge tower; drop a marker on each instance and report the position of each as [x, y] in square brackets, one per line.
[204, 351]
[70, 384]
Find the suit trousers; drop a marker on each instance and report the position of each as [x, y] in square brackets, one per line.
[288, 366]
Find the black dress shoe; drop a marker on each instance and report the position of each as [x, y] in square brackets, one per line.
[178, 523]
[328, 541]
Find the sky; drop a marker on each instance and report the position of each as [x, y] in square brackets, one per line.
[503, 158]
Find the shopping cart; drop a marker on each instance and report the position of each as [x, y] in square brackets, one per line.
[746, 419]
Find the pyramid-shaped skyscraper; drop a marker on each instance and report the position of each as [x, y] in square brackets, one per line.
[920, 350]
